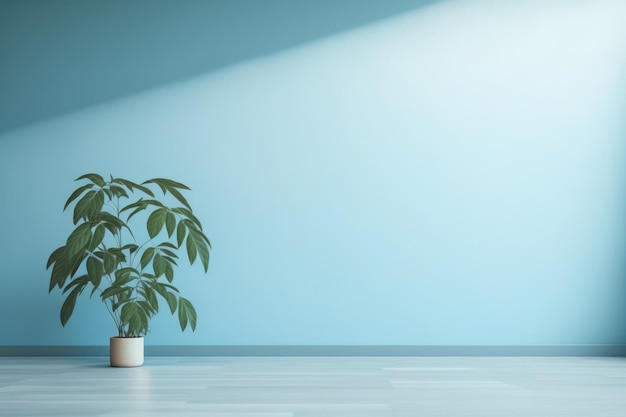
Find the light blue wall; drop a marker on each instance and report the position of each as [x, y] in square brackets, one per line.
[452, 175]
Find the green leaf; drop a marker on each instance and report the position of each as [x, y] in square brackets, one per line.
[169, 272]
[111, 228]
[95, 178]
[189, 215]
[203, 252]
[96, 284]
[135, 317]
[197, 246]
[158, 264]
[118, 253]
[167, 245]
[170, 259]
[130, 185]
[123, 273]
[59, 274]
[192, 252]
[110, 262]
[89, 205]
[137, 210]
[181, 232]
[170, 287]
[142, 204]
[128, 311]
[94, 289]
[118, 191]
[121, 298]
[78, 239]
[63, 266]
[186, 312]
[164, 182]
[182, 314]
[98, 236]
[131, 247]
[68, 305]
[95, 270]
[60, 270]
[168, 296]
[170, 223]
[147, 256]
[156, 220]
[82, 281]
[179, 197]
[125, 279]
[77, 193]
[172, 302]
[124, 276]
[168, 253]
[139, 203]
[151, 298]
[76, 261]
[109, 218]
[172, 188]
[83, 207]
[202, 246]
[59, 253]
[140, 325]
[147, 308]
[112, 291]
[155, 203]
[96, 203]
[192, 228]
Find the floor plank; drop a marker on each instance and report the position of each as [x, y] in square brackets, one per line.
[315, 386]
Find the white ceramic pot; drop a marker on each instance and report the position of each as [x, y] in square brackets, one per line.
[126, 352]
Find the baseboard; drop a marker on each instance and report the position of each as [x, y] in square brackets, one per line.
[285, 350]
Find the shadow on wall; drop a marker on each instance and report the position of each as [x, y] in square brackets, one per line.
[63, 55]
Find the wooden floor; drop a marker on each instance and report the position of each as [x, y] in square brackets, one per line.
[315, 386]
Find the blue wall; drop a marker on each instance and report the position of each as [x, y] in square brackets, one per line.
[451, 175]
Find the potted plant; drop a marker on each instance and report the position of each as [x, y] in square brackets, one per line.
[130, 268]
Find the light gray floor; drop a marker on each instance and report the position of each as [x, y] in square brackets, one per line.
[315, 386]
